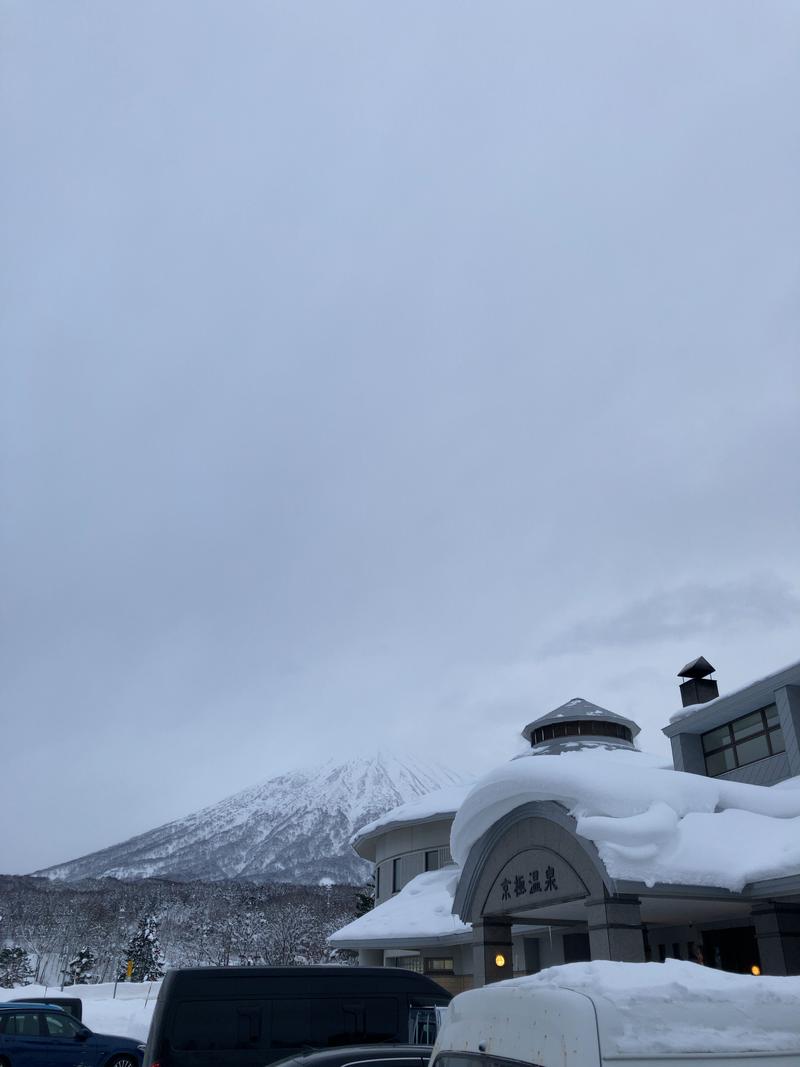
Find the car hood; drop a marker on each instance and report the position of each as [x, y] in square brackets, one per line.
[120, 1042]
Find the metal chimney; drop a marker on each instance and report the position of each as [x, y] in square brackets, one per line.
[698, 687]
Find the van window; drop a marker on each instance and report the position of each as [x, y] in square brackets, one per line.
[349, 1021]
[291, 1023]
[214, 1025]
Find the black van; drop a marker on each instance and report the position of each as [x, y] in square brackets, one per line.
[252, 1016]
[73, 1005]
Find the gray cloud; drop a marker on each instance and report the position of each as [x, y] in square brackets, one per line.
[352, 351]
[692, 610]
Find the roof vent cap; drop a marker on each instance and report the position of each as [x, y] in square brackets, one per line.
[698, 668]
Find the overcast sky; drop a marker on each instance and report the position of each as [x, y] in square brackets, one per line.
[382, 374]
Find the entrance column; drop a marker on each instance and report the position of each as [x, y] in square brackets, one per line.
[491, 942]
[615, 928]
[778, 933]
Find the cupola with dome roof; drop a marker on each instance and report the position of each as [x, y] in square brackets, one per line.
[577, 724]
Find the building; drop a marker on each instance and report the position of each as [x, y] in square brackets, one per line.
[751, 735]
[586, 848]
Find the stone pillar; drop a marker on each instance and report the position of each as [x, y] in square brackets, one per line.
[615, 928]
[491, 940]
[787, 701]
[778, 933]
[370, 957]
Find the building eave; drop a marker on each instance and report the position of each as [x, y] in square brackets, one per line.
[366, 846]
[703, 717]
[433, 941]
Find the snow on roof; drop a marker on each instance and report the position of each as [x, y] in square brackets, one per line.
[422, 909]
[650, 823]
[441, 802]
[678, 1007]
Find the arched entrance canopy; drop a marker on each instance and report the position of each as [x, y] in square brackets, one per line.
[531, 858]
[532, 867]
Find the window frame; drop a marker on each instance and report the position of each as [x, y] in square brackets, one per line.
[732, 744]
[428, 968]
[436, 862]
[71, 1025]
[581, 728]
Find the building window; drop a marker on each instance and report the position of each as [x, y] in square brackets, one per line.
[396, 875]
[407, 963]
[432, 859]
[581, 729]
[746, 740]
[377, 882]
[439, 965]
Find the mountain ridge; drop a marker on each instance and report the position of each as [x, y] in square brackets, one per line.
[294, 827]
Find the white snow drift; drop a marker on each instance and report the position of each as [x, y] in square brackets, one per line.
[423, 908]
[650, 823]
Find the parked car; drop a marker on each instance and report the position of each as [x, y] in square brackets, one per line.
[45, 1035]
[356, 1055]
[673, 1014]
[252, 1016]
[74, 1005]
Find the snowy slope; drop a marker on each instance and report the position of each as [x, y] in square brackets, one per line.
[293, 828]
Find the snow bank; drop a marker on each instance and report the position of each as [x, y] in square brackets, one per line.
[440, 802]
[127, 1014]
[676, 1006]
[423, 908]
[650, 823]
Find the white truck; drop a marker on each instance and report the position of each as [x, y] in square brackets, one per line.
[604, 1014]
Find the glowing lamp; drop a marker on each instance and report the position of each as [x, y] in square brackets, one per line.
[500, 960]
[755, 969]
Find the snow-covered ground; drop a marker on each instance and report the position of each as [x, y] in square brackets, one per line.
[126, 1011]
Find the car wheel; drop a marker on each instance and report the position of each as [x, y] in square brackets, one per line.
[123, 1061]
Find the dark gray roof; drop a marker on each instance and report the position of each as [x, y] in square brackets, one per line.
[579, 710]
[698, 668]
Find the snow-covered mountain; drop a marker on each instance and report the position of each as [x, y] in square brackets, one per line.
[293, 828]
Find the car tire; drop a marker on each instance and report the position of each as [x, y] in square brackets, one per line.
[124, 1060]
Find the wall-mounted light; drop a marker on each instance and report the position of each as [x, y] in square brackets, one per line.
[500, 960]
[755, 969]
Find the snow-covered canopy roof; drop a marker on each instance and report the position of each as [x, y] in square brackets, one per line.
[650, 823]
[579, 710]
[421, 911]
[440, 804]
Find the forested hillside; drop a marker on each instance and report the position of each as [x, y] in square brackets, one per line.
[195, 923]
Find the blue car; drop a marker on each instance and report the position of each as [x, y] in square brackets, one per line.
[43, 1035]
